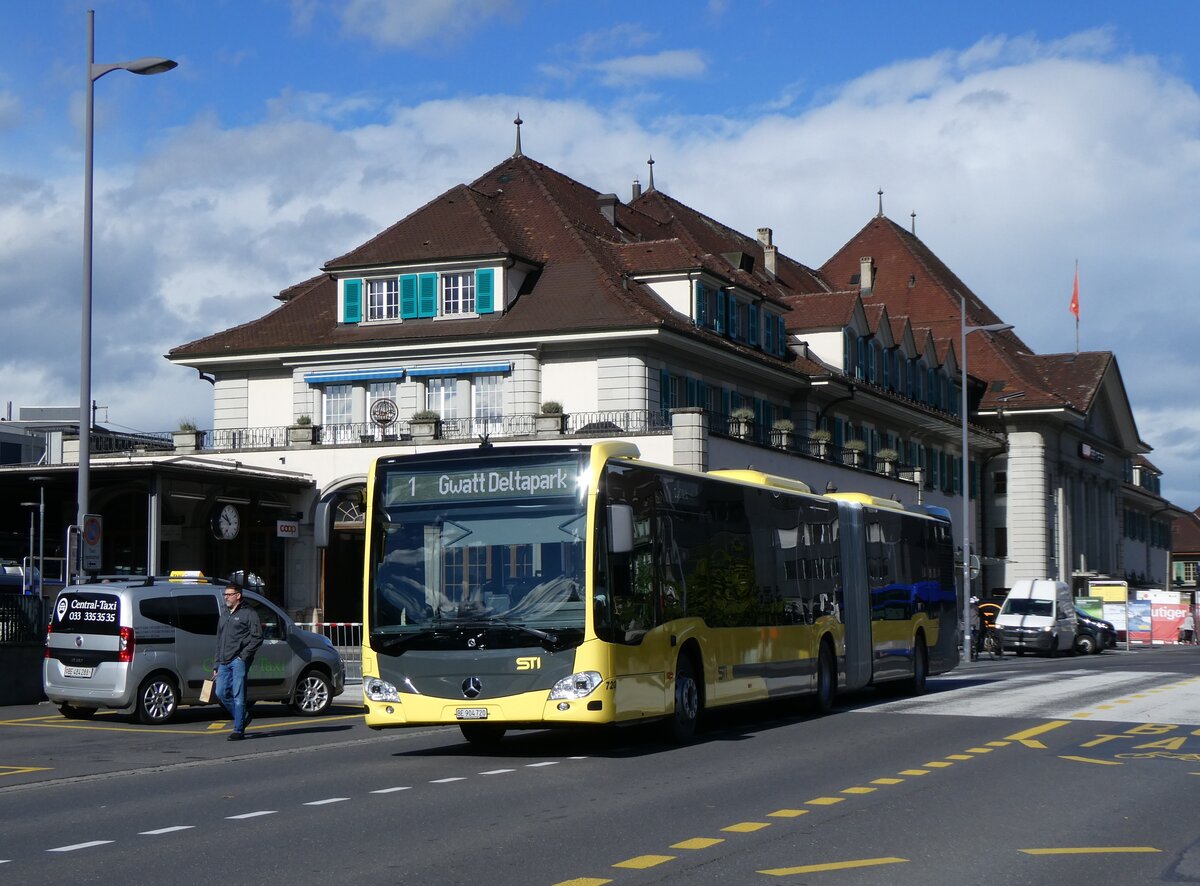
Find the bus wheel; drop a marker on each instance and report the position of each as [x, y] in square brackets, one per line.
[916, 683]
[684, 721]
[826, 681]
[482, 736]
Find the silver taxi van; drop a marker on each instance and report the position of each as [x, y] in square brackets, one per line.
[145, 646]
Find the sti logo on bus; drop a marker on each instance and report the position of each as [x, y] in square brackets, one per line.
[529, 663]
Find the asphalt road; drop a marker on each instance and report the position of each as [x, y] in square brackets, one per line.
[1015, 771]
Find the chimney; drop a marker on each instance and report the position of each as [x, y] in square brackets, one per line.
[866, 278]
[608, 207]
[637, 190]
[770, 251]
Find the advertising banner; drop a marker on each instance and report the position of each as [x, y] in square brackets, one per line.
[1092, 606]
[1140, 621]
[1115, 612]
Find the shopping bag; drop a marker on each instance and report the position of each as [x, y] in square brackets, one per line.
[206, 692]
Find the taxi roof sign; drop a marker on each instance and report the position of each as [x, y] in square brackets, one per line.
[186, 575]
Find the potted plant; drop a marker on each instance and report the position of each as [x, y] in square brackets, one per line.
[887, 458]
[426, 424]
[853, 452]
[781, 432]
[741, 421]
[302, 432]
[187, 438]
[819, 442]
[551, 420]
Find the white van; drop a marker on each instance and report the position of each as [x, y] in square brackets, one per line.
[1038, 615]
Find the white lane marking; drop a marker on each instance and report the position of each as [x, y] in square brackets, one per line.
[497, 771]
[75, 846]
[391, 790]
[446, 780]
[536, 765]
[170, 830]
[327, 801]
[249, 815]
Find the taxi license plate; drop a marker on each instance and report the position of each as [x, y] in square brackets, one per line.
[471, 713]
[78, 672]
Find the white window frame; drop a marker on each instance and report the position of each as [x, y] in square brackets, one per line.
[337, 414]
[441, 396]
[487, 410]
[383, 299]
[458, 294]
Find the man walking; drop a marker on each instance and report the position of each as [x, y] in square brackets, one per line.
[239, 634]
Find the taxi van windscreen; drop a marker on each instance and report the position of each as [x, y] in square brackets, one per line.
[87, 612]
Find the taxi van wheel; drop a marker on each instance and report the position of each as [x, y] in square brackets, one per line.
[73, 713]
[157, 700]
[1085, 645]
[313, 694]
[480, 735]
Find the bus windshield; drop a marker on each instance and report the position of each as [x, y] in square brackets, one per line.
[468, 557]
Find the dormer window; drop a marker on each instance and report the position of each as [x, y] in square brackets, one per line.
[417, 296]
[458, 294]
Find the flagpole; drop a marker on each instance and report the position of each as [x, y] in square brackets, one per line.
[1075, 304]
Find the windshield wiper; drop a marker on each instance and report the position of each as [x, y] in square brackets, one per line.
[382, 642]
[548, 641]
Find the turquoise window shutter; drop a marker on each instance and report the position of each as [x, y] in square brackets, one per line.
[427, 295]
[721, 311]
[725, 402]
[485, 300]
[768, 333]
[352, 301]
[408, 296]
[701, 305]
[664, 391]
[752, 322]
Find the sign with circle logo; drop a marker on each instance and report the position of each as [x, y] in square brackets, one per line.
[384, 412]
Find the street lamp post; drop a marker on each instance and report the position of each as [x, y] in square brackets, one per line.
[150, 65]
[966, 475]
[27, 578]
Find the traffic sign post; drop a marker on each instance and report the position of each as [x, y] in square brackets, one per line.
[91, 543]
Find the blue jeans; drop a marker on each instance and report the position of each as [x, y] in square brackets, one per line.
[231, 691]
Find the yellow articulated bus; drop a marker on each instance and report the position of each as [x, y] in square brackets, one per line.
[552, 586]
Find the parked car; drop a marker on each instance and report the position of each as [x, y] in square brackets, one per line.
[1038, 615]
[146, 646]
[1093, 635]
[31, 584]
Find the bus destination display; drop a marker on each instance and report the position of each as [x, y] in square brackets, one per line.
[525, 482]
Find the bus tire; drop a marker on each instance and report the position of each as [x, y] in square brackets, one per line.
[915, 685]
[481, 735]
[685, 719]
[826, 698]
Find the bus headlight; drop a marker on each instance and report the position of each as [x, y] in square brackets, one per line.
[578, 685]
[379, 690]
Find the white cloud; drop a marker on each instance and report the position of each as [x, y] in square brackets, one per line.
[673, 64]
[413, 23]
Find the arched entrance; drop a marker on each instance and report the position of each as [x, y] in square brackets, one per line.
[342, 557]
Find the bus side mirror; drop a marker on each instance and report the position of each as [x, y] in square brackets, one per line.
[620, 529]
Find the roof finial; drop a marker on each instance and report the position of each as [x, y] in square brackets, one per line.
[518, 121]
[650, 184]
[880, 192]
[914, 222]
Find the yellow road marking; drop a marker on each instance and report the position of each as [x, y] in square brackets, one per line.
[958, 756]
[888, 781]
[1089, 850]
[859, 790]
[213, 727]
[914, 771]
[979, 750]
[1081, 715]
[832, 866]
[583, 881]
[747, 827]
[1090, 760]
[825, 801]
[938, 764]
[1104, 707]
[1038, 730]
[642, 862]
[998, 744]
[21, 770]
[698, 843]
[787, 813]
[1033, 743]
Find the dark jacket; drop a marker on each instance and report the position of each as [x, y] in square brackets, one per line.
[239, 634]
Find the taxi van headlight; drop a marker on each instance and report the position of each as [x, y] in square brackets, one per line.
[578, 685]
[379, 690]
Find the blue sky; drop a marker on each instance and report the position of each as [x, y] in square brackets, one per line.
[1024, 135]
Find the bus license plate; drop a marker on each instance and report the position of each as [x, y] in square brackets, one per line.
[471, 713]
[78, 672]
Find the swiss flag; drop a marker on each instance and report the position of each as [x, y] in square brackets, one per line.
[1075, 293]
